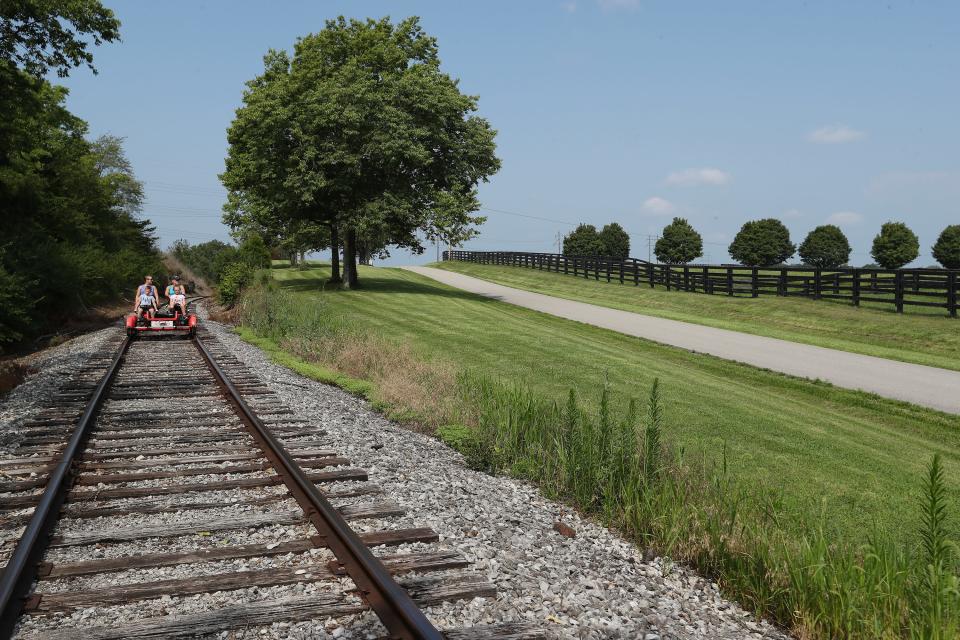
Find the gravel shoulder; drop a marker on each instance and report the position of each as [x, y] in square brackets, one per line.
[595, 585]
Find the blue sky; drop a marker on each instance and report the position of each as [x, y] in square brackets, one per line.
[633, 111]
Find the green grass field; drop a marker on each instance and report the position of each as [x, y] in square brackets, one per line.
[932, 340]
[857, 457]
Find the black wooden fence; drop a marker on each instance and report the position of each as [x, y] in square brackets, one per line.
[900, 287]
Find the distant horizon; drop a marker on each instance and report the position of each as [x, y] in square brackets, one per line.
[607, 111]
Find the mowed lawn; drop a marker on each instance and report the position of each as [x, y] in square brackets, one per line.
[860, 457]
[929, 337]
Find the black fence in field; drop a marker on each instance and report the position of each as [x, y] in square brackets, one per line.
[935, 288]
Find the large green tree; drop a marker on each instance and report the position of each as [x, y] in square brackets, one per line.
[895, 245]
[615, 241]
[762, 243]
[583, 241]
[362, 132]
[947, 248]
[679, 243]
[825, 247]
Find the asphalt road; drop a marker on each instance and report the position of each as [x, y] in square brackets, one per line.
[922, 385]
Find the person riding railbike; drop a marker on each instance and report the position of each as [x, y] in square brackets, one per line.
[145, 300]
[177, 295]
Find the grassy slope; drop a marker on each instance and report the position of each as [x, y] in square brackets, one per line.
[861, 455]
[922, 339]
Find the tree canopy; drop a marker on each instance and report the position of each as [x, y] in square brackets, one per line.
[680, 243]
[762, 243]
[39, 36]
[359, 131]
[947, 248]
[895, 245]
[583, 241]
[615, 241]
[825, 247]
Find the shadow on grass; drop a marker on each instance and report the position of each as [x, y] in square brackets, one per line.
[378, 284]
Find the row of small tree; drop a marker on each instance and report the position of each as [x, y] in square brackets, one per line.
[767, 242]
[585, 240]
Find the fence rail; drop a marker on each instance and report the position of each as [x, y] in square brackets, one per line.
[899, 287]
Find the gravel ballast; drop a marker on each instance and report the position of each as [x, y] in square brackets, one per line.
[595, 585]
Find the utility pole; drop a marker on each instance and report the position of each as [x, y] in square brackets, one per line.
[559, 242]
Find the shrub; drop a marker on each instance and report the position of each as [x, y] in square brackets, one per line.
[947, 248]
[253, 251]
[235, 277]
[679, 244]
[615, 241]
[895, 245]
[762, 243]
[825, 247]
[583, 241]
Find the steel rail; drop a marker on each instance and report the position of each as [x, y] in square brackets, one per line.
[396, 610]
[21, 569]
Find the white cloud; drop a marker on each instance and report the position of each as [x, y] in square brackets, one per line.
[842, 218]
[615, 5]
[692, 177]
[835, 134]
[792, 213]
[657, 206]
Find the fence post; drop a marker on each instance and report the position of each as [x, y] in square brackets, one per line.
[666, 275]
[686, 277]
[754, 285]
[650, 275]
[817, 282]
[620, 266]
[898, 294]
[782, 283]
[596, 268]
[729, 281]
[608, 270]
[952, 293]
[707, 285]
[575, 266]
[856, 287]
[636, 273]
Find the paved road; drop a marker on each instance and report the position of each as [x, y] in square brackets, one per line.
[919, 384]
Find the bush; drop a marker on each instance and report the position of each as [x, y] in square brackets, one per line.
[235, 277]
[895, 245]
[679, 244]
[253, 251]
[947, 248]
[583, 241]
[615, 241]
[762, 243]
[825, 247]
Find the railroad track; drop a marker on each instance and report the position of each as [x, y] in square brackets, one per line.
[166, 492]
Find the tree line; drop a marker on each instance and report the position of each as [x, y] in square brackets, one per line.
[72, 237]
[357, 141]
[231, 268]
[766, 242]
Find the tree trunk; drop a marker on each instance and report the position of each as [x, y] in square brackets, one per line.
[293, 258]
[302, 260]
[363, 252]
[334, 255]
[350, 258]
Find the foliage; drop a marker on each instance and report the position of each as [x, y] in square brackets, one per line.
[362, 132]
[68, 207]
[207, 259]
[233, 280]
[41, 36]
[947, 248]
[762, 243]
[615, 241]
[895, 245]
[583, 241]
[825, 247]
[679, 243]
